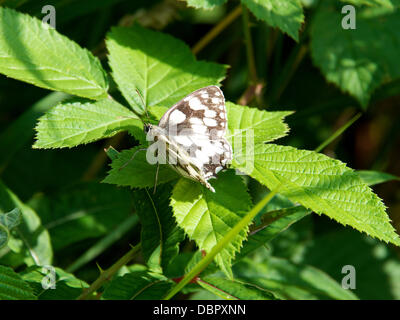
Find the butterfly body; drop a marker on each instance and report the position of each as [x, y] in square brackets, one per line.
[190, 136]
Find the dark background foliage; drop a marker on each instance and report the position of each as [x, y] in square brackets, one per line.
[49, 180]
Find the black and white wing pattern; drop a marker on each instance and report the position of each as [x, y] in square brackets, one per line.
[194, 129]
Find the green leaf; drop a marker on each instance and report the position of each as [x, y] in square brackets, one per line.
[260, 235]
[8, 221]
[205, 4]
[4, 236]
[206, 217]
[378, 3]
[34, 53]
[234, 289]
[161, 67]
[377, 266]
[371, 177]
[358, 61]
[138, 285]
[290, 281]
[321, 184]
[83, 211]
[160, 236]
[245, 122]
[137, 172]
[71, 124]
[104, 243]
[12, 287]
[66, 285]
[11, 219]
[287, 15]
[31, 243]
[20, 131]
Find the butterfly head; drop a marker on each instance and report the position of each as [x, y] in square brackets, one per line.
[147, 127]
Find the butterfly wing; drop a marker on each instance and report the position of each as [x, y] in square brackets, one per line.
[197, 125]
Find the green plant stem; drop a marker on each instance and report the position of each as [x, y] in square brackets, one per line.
[249, 47]
[107, 274]
[289, 70]
[199, 267]
[217, 29]
[104, 243]
[338, 132]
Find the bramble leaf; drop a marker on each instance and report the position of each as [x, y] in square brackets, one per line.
[290, 281]
[32, 52]
[8, 221]
[83, 211]
[72, 124]
[245, 123]
[347, 58]
[234, 289]
[371, 177]
[160, 67]
[321, 184]
[260, 236]
[13, 287]
[137, 285]
[205, 4]
[137, 172]
[287, 15]
[66, 285]
[377, 3]
[160, 236]
[206, 217]
[31, 243]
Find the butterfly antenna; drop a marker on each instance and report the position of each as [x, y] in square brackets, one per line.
[155, 182]
[133, 156]
[143, 103]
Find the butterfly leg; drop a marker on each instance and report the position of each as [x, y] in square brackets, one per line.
[155, 182]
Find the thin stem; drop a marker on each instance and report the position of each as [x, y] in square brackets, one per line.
[249, 47]
[199, 267]
[104, 243]
[217, 29]
[338, 132]
[289, 70]
[107, 274]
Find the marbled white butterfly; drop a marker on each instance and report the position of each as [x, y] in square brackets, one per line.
[192, 134]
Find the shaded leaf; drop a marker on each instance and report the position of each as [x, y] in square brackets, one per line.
[160, 236]
[205, 4]
[358, 61]
[31, 241]
[66, 285]
[83, 211]
[371, 177]
[287, 15]
[12, 287]
[290, 281]
[137, 172]
[137, 285]
[234, 289]
[260, 235]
